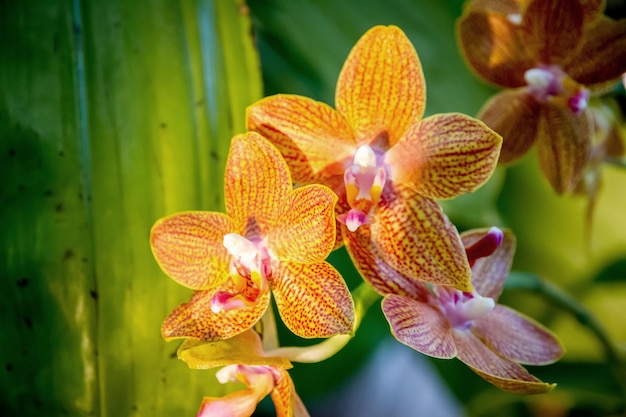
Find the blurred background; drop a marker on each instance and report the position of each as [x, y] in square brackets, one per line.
[116, 113]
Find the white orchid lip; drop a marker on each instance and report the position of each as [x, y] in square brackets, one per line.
[462, 308]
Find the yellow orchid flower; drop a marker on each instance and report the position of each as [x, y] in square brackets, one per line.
[244, 361]
[385, 162]
[550, 56]
[272, 238]
[493, 340]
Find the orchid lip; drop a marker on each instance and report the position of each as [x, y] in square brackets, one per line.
[485, 246]
[549, 83]
[462, 308]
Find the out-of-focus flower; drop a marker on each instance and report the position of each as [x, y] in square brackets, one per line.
[385, 163]
[549, 55]
[273, 237]
[244, 361]
[493, 340]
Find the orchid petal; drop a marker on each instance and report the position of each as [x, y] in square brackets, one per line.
[553, 28]
[312, 299]
[257, 182]
[503, 373]
[564, 146]
[378, 273]
[489, 273]
[514, 114]
[518, 338]
[306, 228]
[494, 47]
[381, 88]
[284, 396]
[419, 326]
[445, 155]
[505, 7]
[196, 320]
[188, 247]
[416, 238]
[245, 349]
[316, 141]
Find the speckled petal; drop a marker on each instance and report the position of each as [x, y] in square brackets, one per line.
[564, 146]
[286, 401]
[306, 227]
[256, 182]
[196, 320]
[445, 155]
[381, 88]
[378, 273]
[514, 114]
[312, 299]
[316, 140]
[489, 273]
[416, 238]
[420, 326]
[518, 338]
[503, 373]
[188, 247]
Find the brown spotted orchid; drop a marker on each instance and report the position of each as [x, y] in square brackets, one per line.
[272, 238]
[493, 340]
[550, 56]
[386, 163]
[243, 360]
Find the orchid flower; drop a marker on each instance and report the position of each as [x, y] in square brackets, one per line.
[493, 340]
[242, 360]
[386, 163]
[550, 56]
[273, 238]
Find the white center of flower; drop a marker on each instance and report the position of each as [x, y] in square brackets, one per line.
[549, 83]
[463, 308]
[515, 18]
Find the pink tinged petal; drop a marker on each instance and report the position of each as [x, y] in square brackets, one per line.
[188, 247]
[196, 320]
[381, 88]
[415, 237]
[518, 338]
[419, 326]
[378, 273]
[316, 141]
[445, 155]
[514, 114]
[313, 300]
[484, 246]
[306, 227]
[286, 401]
[564, 146]
[489, 273]
[257, 182]
[503, 373]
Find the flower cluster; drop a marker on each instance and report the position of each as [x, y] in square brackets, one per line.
[367, 175]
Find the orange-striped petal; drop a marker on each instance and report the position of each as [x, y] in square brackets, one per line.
[257, 182]
[416, 238]
[306, 228]
[195, 319]
[285, 398]
[494, 47]
[188, 247]
[503, 373]
[312, 299]
[445, 155]
[564, 146]
[489, 273]
[381, 88]
[518, 338]
[316, 141]
[514, 114]
[419, 326]
[378, 273]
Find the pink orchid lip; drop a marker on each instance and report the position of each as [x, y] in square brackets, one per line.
[485, 246]
[462, 308]
[549, 83]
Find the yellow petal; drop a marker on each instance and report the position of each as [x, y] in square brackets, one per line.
[564, 146]
[195, 319]
[257, 181]
[306, 228]
[381, 88]
[188, 247]
[284, 396]
[312, 299]
[416, 238]
[316, 140]
[445, 155]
